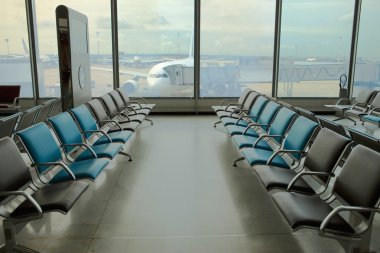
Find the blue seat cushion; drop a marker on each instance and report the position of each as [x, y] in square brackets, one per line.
[243, 141]
[238, 130]
[121, 136]
[256, 156]
[371, 118]
[89, 169]
[231, 121]
[107, 150]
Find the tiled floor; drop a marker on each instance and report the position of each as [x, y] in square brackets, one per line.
[180, 194]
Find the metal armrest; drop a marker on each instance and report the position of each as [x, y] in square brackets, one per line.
[233, 104]
[130, 109]
[304, 173]
[237, 111]
[283, 151]
[111, 121]
[266, 136]
[339, 209]
[240, 118]
[253, 125]
[134, 102]
[16, 102]
[60, 164]
[81, 145]
[99, 131]
[25, 195]
[373, 109]
[125, 115]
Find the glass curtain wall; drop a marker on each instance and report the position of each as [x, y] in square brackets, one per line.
[14, 47]
[315, 47]
[156, 47]
[100, 40]
[237, 40]
[367, 68]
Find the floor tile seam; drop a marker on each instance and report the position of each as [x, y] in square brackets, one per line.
[105, 209]
[192, 236]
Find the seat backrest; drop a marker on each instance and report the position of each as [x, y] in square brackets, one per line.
[98, 109]
[299, 135]
[123, 93]
[258, 106]
[281, 122]
[118, 100]
[56, 107]
[332, 125]
[85, 119]
[326, 150]
[66, 129]
[8, 93]
[248, 103]
[244, 96]
[8, 124]
[44, 111]
[268, 113]
[14, 173]
[110, 105]
[364, 139]
[40, 144]
[359, 182]
[27, 118]
[307, 114]
[362, 99]
[375, 102]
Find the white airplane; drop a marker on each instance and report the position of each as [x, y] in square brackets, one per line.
[165, 74]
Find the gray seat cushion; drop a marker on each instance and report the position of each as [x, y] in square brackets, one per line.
[273, 177]
[54, 197]
[301, 210]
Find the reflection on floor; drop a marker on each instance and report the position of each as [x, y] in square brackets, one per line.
[180, 194]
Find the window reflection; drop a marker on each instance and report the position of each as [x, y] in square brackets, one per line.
[14, 49]
[314, 51]
[367, 69]
[236, 47]
[99, 23]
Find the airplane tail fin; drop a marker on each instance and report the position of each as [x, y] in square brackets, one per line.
[26, 51]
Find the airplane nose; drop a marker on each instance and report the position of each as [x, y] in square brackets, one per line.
[158, 82]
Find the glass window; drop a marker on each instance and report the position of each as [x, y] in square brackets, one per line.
[100, 42]
[237, 40]
[315, 47]
[14, 50]
[367, 68]
[156, 47]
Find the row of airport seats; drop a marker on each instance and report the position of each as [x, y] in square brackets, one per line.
[19, 121]
[64, 152]
[366, 107]
[311, 166]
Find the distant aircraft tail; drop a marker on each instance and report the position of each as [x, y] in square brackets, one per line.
[26, 51]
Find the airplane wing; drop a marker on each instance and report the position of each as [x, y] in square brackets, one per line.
[123, 72]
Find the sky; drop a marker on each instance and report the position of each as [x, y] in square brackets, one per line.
[310, 28]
